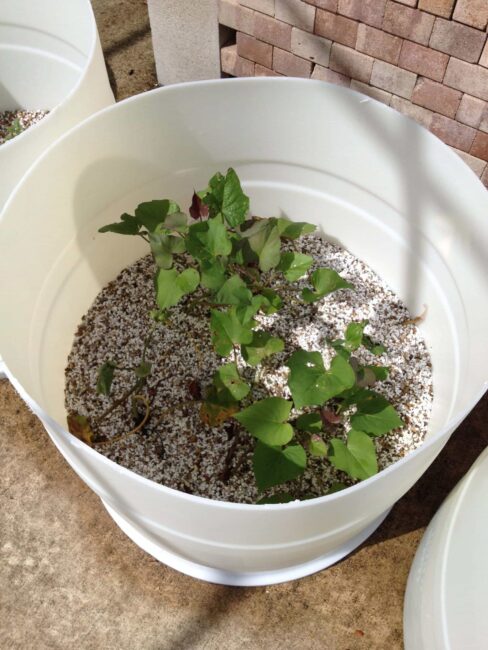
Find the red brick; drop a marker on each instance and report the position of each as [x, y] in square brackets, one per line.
[472, 12]
[422, 60]
[483, 126]
[254, 50]
[235, 65]
[236, 17]
[417, 113]
[375, 93]
[408, 23]
[264, 6]
[477, 165]
[484, 178]
[455, 134]
[457, 40]
[296, 13]
[337, 28]
[324, 74]
[471, 111]
[310, 46]
[290, 65]
[479, 147]
[378, 44]
[438, 7]
[484, 56]
[330, 5]
[471, 79]
[272, 31]
[393, 79]
[351, 63]
[437, 97]
[261, 71]
[366, 11]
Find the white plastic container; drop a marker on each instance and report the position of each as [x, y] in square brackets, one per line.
[50, 59]
[375, 181]
[447, 589]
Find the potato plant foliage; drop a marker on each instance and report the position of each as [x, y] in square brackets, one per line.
[228, 253]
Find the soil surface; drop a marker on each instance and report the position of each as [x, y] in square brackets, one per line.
[175, 447]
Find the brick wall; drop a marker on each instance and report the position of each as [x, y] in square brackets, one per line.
[425, 58]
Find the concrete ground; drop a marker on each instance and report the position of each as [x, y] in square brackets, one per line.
[69, 578]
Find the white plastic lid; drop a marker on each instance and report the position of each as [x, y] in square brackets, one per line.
[446, 601]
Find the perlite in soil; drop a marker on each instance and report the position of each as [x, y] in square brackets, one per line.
[246, 359]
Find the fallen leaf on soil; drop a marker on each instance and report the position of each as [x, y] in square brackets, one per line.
[79, 426]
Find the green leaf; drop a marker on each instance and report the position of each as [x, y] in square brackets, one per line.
[375, 348]
[105, 377]
[214, 194]
[272, 301]
[294, 265]
[357, 458]
[207, 239]
[311, 384]
[264, 239]
[280, 497]
[317, 447]
[234, 291]
[227, 378]
[212, 274]
[217, 240]
[310, 422]
[245, 313]
[267, 420]
[354, 335]
[375, 414]
[380, 372]
[294, 229]
[128, 225]
[143, 370]
[228, 330]
[196, 241]
[324, 281]
[171, 286]
[235, 204]
[152, 213]
[177, 221]
[241, 252]
[262, 345]
[163, 246]
[273, 466]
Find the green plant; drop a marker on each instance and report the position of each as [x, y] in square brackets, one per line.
[232, 256]
[13, 129]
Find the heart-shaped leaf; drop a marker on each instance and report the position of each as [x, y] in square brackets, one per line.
[163, 246]
[357, 458]
[198, 209]
[171, 286]
[234, 291]
[294, 265]
[324, 281]
[354, 335]
[294, 229]
[128, 225]
[228, 330]
[311, 384]
[310, 422]
[262, 345]
[235, 204]
[375, 414]
[227, 379]
[264, 240]
[317, 447]
[273, 466]
[267, 420]
[212, 274]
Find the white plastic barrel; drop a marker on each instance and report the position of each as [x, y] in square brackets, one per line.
[50, 59]
[373, 180]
